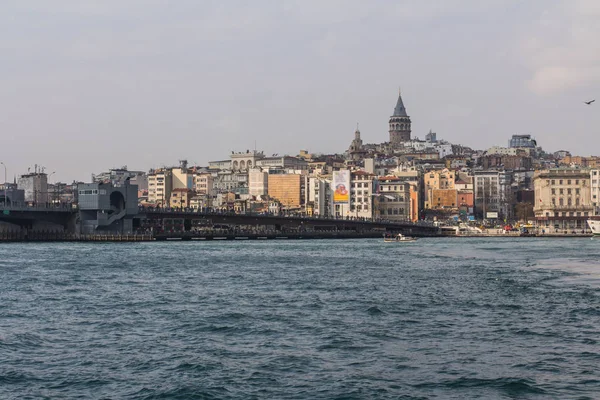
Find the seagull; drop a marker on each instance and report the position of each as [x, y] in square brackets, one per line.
[589, 102]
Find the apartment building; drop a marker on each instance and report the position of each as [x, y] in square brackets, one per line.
[563, 199]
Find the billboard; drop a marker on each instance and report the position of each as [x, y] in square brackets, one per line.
[341, 186]
[491, 215]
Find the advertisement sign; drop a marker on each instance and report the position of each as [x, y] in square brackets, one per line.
[341, 186]
[491, 215]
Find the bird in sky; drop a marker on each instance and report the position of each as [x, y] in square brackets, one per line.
[589, 102]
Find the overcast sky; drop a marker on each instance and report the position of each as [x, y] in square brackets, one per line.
[90, 85]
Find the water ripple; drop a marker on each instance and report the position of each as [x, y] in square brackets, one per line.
[355, 319]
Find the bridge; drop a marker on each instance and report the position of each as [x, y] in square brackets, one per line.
[185, 224]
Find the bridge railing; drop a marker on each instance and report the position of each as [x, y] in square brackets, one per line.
[21, 206]
[213, 212]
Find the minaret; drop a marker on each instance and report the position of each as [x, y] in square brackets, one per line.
[399, 124]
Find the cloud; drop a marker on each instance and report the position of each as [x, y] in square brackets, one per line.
[562, 49]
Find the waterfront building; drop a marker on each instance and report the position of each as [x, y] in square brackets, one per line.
[563, 199]
[159, 186]
[361, 194]
[595, 190]
[399, 124]
[289, 189]
[393, 199]
[35, 186]
[414, 177]
[493, 194]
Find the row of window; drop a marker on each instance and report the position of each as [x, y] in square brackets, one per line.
[561, 181]
[561, 201]
[392, 211]
[561, 191]
[569, 214]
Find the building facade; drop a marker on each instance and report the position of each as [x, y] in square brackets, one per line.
[563, 199]
[35, 186]
[258, 182]
[159, 186]
[399, 124]
[493, 194]
[287, 188]
[393, 199]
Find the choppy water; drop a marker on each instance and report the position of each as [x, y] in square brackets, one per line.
[353, 319]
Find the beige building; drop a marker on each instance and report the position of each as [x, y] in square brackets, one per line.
[183, 177]
[245, 161]
[563, 199]
[180, 198]
[393, 199]
[159, 186]
[440, 191]
[203, 183]
[287, 188]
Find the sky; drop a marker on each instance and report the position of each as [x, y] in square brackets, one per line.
[86, 85]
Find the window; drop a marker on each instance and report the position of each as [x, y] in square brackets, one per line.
[560, 182]
[553, 182]
[560, 201]
[577, 181]
[568, 181]
[561, 191]
[569, 191]
[577, 191]
[577, 201]
[553, 191]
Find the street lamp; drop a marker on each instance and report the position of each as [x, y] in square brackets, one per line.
[48, 180]
[4, 165]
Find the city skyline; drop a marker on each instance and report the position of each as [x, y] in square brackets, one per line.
[90, 87]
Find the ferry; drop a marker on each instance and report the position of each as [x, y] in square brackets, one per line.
[594, 225]
[398, 238]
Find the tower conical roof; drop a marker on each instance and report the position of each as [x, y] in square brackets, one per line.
[399, 110]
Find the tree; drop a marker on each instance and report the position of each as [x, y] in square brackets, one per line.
[524, 211]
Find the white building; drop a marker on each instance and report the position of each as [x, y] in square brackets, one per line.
[319, 194]
[493, 194]
[159, 186]
[361, 197]
[595, 189]
[35, 186]
[258, 182]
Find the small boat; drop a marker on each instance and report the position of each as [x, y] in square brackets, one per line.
[594, 225]
[398, 238]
